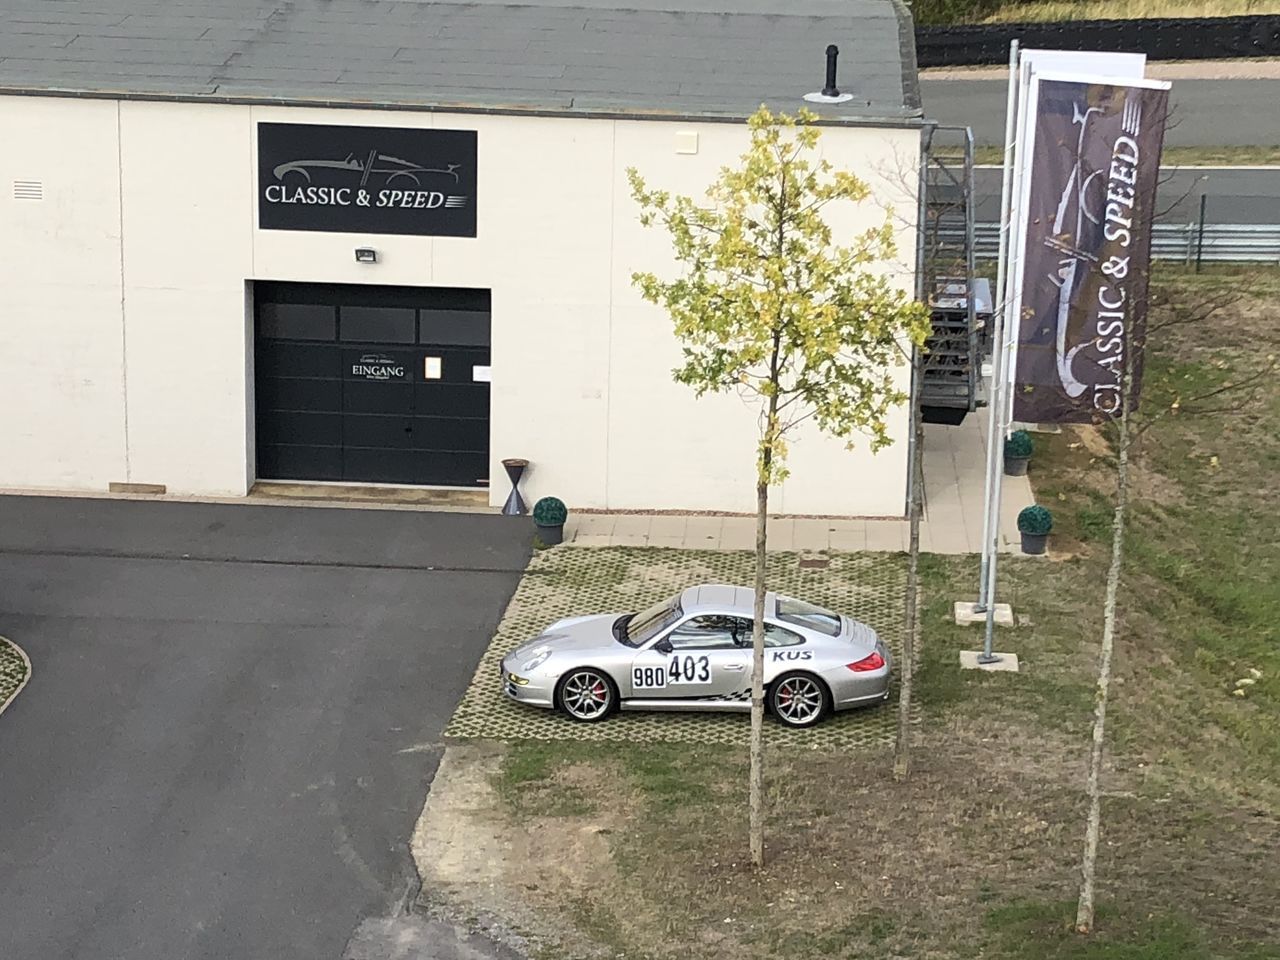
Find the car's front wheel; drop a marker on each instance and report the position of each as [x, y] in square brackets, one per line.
[587, 695]
[799, 699]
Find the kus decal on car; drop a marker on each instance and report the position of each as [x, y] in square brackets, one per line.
[781, 655]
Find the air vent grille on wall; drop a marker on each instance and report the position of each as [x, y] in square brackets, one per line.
[28, 190]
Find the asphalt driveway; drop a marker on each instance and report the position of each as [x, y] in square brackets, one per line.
[233, 718]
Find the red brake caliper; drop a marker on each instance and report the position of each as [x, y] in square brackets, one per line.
[785, 696]
[598, 691]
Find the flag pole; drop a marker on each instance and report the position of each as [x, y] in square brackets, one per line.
[990, 508]
[1000, 379]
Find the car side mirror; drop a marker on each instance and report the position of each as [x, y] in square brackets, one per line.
[664, 646]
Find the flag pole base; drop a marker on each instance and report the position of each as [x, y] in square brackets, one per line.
[998, 662]
[966, 613]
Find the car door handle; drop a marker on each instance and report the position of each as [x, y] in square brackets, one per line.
[735, 666]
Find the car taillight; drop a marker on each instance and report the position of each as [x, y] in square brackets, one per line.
[872, 662]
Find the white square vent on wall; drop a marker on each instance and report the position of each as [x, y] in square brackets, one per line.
[28, 190]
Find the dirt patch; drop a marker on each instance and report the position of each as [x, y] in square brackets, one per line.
[512, 874]
[1091, 438]
[570, 855]
[463, 832]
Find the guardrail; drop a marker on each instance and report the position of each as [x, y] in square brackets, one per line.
[1210, 38]
[1221, 242]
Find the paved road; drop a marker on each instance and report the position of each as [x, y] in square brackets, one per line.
[1205, 112]
[1234, 195]
[232, 721]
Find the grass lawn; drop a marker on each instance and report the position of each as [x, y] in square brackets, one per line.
[13, 671]
[935, 12]
[976, 854]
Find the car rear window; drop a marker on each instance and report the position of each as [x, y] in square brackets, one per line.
[807, 615]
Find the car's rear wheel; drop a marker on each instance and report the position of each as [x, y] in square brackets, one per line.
[587, 695]
[799, 699]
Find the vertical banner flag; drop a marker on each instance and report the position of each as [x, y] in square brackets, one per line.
[1088, 200]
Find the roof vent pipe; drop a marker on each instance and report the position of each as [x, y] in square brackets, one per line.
[830, 93]
[830, 89]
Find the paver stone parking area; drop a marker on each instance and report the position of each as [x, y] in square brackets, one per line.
[571, 581]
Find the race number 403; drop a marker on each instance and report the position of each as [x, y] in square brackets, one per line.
[686, 669]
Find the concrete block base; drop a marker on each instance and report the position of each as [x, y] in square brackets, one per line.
[965, 614]
[1038, 427]
[1008, 662]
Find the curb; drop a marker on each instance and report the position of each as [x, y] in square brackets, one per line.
[27, 661]
[250, 500]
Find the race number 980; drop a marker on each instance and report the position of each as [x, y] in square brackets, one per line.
[686, 669]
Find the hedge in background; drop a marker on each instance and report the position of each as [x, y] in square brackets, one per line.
[1213, 38]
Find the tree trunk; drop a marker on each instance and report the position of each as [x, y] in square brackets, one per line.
[906, 669]
[757, 681]
[1084, 908]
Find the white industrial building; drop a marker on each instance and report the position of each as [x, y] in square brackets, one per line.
[392, 242]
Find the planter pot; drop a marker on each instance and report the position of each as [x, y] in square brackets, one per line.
[1015, 466]
[550, 535]
[1033, 543]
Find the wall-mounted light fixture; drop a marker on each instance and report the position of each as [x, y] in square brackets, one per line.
[366, 255]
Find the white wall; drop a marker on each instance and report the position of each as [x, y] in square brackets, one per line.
[90, 398]
[543, 247]
[187, 196]
[581, 366]
[61, 333]
[708, 445]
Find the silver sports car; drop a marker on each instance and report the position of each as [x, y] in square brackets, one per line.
[693, 652]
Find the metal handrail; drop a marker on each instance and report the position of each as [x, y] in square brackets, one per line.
[1221, 243]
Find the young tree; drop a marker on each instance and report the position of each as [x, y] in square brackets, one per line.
[906, 672]
[1131, 425]
[768, 305]
[1093, 821]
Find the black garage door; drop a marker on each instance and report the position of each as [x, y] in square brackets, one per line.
[372, 384]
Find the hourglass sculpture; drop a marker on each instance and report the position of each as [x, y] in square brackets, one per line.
[514, 507]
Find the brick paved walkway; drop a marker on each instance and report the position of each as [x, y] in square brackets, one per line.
[954, 464]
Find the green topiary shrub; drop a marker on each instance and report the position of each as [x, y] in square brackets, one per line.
[1018, 444]
[1035, 521]
[549, 512]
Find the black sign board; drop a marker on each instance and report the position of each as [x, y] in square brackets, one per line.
[367, 180]
[378, 367]
[1095, 166]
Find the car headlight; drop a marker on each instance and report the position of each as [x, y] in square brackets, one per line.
[534, 662]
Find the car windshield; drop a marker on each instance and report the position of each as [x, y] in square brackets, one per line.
[638, 628]
[807, 615]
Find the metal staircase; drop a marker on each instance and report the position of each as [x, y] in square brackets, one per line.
[959, 302]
